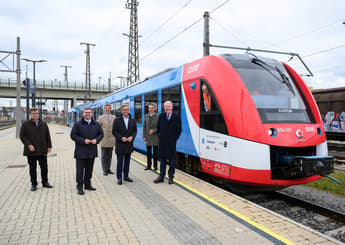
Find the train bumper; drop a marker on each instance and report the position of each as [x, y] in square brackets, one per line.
[313, 165]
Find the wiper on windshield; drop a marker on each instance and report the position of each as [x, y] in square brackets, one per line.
[267, 67]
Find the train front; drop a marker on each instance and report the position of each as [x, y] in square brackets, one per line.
[276, 133]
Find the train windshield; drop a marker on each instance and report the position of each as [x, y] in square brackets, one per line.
[274, 93]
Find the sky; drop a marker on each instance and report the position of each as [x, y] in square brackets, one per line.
[53, 30]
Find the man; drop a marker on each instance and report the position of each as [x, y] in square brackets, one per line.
[169, 130]
[107, 144]
[37, 143]
[86, 133]
[150, 136]
[206, 98]
[124, 130]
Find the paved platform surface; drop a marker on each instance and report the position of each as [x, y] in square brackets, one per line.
[189, 212]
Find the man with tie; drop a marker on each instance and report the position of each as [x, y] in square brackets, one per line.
[86, 133]
[169, 130]
[108, 142]
[124, 130]
[37, 143]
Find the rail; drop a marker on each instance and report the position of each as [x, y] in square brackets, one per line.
[53, 84]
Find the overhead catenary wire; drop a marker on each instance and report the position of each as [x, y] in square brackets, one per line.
[146, 37]
[180, 32]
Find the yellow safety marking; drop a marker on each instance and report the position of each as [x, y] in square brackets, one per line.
[228, 209]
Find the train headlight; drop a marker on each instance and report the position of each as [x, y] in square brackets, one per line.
[272, 132]
[319, 131]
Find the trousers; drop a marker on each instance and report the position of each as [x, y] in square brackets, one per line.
[172, 165]
[42, 160]
[84, 172]
[149, 150]
[123, 165]
[107, 154]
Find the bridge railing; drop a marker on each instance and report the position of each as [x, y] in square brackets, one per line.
[53, 84]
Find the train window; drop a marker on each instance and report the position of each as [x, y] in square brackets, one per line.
[273, 90]
[117, 108]
[174, 95]
[151, 98]
[138, 109]
[211, 117]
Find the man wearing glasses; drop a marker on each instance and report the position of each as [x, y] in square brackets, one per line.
[86, 133]
[37, 143]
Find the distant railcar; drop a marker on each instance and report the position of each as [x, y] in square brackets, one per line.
[262, 127]
[331, 103]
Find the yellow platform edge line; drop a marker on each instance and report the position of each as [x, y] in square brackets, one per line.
[228, 209]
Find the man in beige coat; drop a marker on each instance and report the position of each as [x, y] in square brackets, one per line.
[108, 142]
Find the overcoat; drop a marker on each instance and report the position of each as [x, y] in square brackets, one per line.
[38, 136]
[150, 123]
[168, 132]
[106, 123]
[82, 130]
[119, 131]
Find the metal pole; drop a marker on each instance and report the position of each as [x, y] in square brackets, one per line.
[109, 82]
[33, 90]
[27, 97]
[18, 100]
[206, 43]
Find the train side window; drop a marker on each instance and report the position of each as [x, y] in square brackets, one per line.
[137, 109]
[117, 108]
[174, 95]
[211, 117]
[151, 98]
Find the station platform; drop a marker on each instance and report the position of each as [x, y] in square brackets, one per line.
[189, 212]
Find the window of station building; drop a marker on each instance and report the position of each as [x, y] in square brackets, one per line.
[174, 95]
[138, 109]
[151, 98]
[211, 117]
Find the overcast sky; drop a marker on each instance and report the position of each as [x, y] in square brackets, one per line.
[53, 30]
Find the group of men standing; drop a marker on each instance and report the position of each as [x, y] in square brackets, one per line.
[160, 134]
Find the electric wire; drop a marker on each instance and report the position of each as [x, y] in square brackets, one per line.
[146, 37]
[180, 32]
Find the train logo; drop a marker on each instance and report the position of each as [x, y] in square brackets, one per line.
[299, 133]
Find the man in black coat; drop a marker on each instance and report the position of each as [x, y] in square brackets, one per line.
[124, 130]
[37, 143]
[86, 133]
[169, 130]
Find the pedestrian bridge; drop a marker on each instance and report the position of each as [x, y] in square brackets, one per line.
[55, 90]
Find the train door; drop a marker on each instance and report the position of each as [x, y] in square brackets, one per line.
[191, 103]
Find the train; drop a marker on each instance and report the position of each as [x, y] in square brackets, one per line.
[331, 103]
[263, 129]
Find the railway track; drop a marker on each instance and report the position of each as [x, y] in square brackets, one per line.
[337, 149]
[7, 124]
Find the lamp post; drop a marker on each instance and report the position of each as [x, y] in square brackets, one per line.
[33, 91]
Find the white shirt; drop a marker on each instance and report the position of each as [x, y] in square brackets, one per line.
[126, 119]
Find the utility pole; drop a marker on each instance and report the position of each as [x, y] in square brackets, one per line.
[66, 72]
[206, 43]
[18, 99]
[65, 102]
[133, 44]
[87, 71]
[109, 82]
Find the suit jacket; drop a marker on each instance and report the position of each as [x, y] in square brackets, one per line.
[120, 130]
[107, 124]
[82, 130]
[38, 136]
[168, 132]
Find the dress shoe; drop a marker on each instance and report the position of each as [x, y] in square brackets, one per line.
[147, 168]
[158, 180]
[81, 192]
[105, 173]
[33, 188]
[119, 181]
[47, 185]
[171, 181]
[90, 188]
[110, 172]
[128, 179]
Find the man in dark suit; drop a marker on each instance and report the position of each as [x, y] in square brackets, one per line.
[37, 143]
[169, 130]
[124, 130]
[86, 133]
